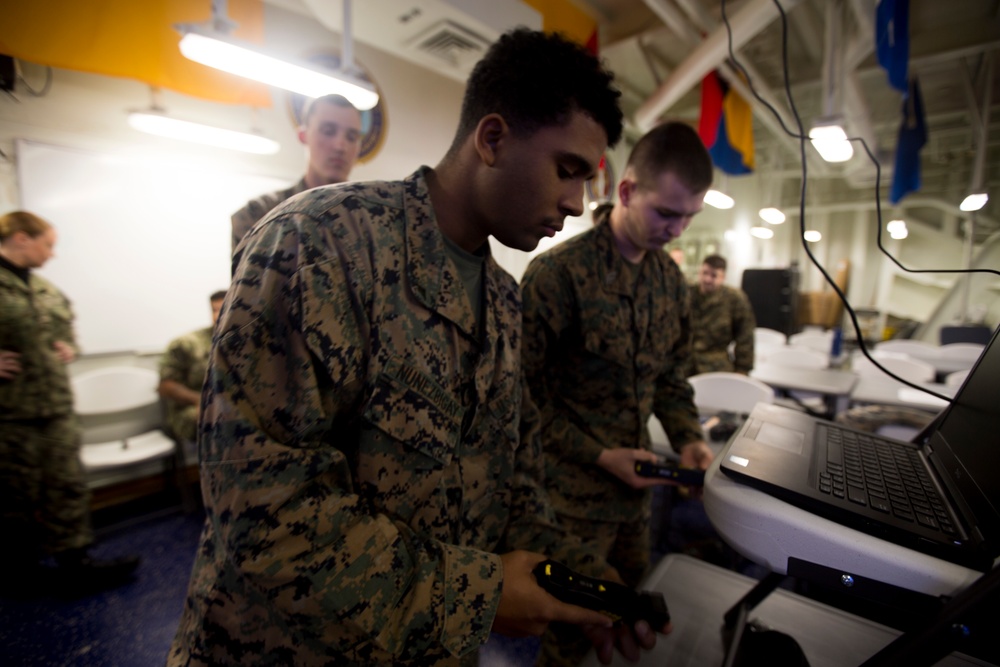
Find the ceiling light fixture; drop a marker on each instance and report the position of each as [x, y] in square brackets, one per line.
[719, 199]
[771, 215]
[761, 232]
[974, 201]
[812, 236]
[897, 229]
[830, 140]
[211, 45]
[156, 121]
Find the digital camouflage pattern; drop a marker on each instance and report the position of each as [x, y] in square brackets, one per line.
[44, 502]
[32, 318]
[186, 362]
[361, 461]
[600, 356]
[245, 218]
[718, 319]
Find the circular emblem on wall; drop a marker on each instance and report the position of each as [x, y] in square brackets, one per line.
[600, 189]
[374, 122]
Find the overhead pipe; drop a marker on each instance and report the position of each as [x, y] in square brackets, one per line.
[705, 23]
[749, 20]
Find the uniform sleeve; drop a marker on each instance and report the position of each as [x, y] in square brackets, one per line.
[63, 325]
[285, 390]
[243, 220]
[673, 403]
[743, 326]
[548, 307]
[175, 362]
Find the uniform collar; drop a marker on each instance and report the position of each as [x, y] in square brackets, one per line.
[434, 278]
[611, 269]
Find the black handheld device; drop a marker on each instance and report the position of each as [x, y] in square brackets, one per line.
[616, 601]
[685, 476]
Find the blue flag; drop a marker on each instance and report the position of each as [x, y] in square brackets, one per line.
[912, 137]
[892, 40]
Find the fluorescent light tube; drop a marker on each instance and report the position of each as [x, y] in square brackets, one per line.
[831, 142]
[227, 55]
[761, 232]
[974, 202]
[154, 122]
[771, 215]
[812, 236]
[718, 199]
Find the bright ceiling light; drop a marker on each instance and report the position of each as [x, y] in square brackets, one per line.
[593, 205]
[899, 233]
[771, 215]
[224, 53]
[155, 121]
[812, 236]
[761, 232]
[894, 225]
[830, 140]
[719, 199]
[974, 201]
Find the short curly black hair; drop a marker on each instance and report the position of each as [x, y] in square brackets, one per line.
[534, 80]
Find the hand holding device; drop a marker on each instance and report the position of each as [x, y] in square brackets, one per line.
[684, 476]
[614, 600]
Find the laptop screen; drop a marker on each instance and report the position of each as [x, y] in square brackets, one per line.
[967, 441]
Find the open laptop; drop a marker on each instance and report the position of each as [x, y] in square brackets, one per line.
[815, 465]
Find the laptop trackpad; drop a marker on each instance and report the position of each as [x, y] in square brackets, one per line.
[780, 437]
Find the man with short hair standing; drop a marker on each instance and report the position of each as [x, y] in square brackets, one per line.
[370, 498]
[331, 133]
[720, 316]
[606, 344]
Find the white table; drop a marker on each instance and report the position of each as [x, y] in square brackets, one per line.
[834, 385]
[884, 390]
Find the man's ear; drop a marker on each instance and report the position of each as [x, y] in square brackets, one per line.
[489, 136]
[302, 135]
[626, 187]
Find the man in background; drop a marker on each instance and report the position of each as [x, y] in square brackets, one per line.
[607, 344]
[370, 497]
[720, 316]
[331, 133]
[182, 374]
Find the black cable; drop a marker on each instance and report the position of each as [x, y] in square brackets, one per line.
[801, 136]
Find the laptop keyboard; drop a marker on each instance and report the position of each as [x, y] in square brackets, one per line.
[868, 471]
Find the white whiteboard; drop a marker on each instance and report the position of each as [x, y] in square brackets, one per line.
[142, 243]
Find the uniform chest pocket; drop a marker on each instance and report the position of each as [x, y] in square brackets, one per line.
[410, 416]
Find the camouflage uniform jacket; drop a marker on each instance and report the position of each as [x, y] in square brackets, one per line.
[33, 316]
[245, 218]
[600, 355]
[185, 362]
[358, 486]
[717, 319]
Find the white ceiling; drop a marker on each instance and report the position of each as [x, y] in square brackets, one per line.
[659, 49]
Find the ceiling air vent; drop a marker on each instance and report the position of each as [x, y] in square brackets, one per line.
[450, 43]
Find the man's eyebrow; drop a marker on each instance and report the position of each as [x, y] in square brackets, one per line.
[578, 163]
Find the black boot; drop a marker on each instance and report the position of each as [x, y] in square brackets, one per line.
[80, 573]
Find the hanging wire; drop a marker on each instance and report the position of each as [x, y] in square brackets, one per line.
[801, 136]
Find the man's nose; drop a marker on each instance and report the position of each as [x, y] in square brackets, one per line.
[572, 202]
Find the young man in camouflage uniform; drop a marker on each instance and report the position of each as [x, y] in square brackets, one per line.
[44, 500]
[182, 374]
[606, 343]
[331, 133]
[370, 499]
[720, 315]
